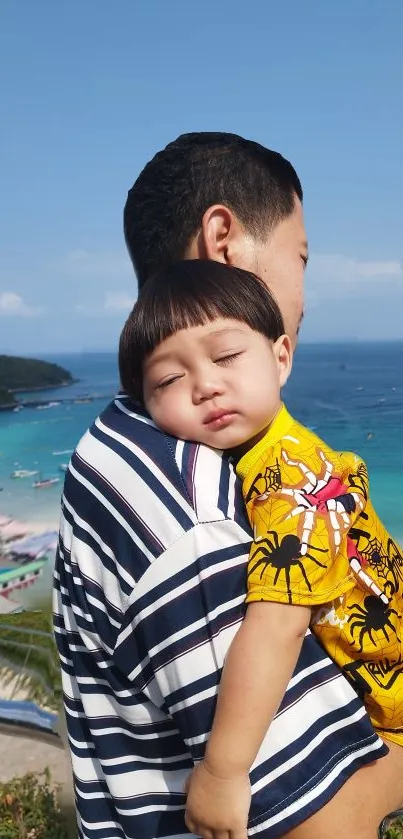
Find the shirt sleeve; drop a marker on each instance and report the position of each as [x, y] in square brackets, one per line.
[302, 552]
[180, 623]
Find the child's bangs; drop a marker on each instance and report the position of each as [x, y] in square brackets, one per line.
[173, 315]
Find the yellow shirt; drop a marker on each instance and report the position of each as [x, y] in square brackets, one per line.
[318, 542]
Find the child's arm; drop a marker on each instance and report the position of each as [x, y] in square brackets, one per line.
[259, 666]
[292, 561]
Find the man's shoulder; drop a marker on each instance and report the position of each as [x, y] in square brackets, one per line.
[124, 439]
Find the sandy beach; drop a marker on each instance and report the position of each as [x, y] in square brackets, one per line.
[15, 530]
[25, 527]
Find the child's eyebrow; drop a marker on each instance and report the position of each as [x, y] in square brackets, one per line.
[152, 360]
[226, 330]
[158, 356]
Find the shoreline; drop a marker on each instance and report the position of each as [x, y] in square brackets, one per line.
[21, 529]
[36, 592]
[33, 526]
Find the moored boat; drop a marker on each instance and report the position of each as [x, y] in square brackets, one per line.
[24, 473]
[45, 482]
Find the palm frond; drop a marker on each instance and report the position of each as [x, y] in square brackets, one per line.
[28, 657]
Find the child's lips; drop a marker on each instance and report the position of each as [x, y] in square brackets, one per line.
[219, 418]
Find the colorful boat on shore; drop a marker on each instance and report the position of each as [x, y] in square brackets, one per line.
[21, 577]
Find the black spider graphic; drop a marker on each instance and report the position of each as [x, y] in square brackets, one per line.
[267, 481]
[372, 617]
[282, 556]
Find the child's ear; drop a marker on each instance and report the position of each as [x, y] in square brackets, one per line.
[282, 349]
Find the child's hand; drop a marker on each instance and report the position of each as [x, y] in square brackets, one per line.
[217, 806]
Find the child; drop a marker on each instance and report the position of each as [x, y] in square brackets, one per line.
[205, 350]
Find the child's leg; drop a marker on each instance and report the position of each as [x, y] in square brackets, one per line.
[356, 811]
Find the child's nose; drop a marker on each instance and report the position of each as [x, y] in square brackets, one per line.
[206, 388]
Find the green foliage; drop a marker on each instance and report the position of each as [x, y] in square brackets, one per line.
[29, 809]
[19, 374]
[6, 398]
[395, 831]
[28, 650]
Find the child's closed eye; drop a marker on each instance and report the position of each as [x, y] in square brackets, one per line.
[166, 382]
[225, 360]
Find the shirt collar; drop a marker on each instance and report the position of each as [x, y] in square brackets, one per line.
[278, 428]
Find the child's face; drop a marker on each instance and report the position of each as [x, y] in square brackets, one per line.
[218, 383]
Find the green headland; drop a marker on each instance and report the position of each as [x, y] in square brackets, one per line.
[19, 375]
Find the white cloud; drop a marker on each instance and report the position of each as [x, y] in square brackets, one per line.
[375, 269]
[83, 263]
[115, 303]
[335, 275]
[118, 301]
[12, 305]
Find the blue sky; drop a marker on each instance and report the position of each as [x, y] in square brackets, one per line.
[92, 89]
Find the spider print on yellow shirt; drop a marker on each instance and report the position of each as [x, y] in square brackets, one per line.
[318, 542]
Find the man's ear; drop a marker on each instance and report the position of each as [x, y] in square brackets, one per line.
[217, 230]
[283, 353]
[221, 238]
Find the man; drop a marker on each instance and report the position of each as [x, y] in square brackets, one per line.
[150, 571]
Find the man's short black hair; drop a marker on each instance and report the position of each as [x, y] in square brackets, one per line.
[187, 294]
[165, 206]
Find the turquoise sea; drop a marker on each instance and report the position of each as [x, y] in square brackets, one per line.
[350, 394]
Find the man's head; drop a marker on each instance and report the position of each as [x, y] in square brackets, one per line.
[218, 196]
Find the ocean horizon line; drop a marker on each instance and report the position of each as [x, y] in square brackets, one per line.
[301, 343]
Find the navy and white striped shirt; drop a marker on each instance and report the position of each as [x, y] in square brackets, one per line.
[149, 591]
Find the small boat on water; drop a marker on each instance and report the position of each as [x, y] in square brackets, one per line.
[48, 405]
[45, 482]
[63, 467]
[24, 473]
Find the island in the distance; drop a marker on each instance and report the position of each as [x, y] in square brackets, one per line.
[21, 375]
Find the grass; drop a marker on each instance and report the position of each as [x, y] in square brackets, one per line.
[29, 809]
[395, 831]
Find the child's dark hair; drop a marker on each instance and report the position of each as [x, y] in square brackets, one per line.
[187, 294]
